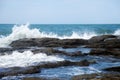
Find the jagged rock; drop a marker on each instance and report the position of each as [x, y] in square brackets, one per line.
[51, 51]
[4, 51]
[14, 71]
[65, 63]
[117, 69]
[47, 42]
[104, 41]
[11, 71]
[98, 39]
[106, 52]
[38, 78]
[97, 76]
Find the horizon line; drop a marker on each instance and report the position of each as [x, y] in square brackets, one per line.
[64, 23]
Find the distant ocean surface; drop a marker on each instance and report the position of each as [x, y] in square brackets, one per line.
[11, 32]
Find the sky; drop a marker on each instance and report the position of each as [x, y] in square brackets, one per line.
[60, 11]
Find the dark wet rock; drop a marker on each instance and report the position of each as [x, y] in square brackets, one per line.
[99, 51]
[77, 53]
[47, 42]
[38, 78]
[85, 76]
[18, 70]
[14, 71]
[106, 52]
[51, 51]
[98, 39]
[69, 43]
[4, 51]
[105, 41]
[98, 76]
[112, 43]
[66, 63]
[33, 78]
[116, 69]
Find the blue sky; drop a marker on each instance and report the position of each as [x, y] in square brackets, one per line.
[60, 11]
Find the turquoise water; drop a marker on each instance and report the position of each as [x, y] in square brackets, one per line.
[66, 29]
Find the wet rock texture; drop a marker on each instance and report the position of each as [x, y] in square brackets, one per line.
[104, 41]
[48, 42]
[102, 45]
[38, 78]
[99, 76]
[18, 70]
[117, 69]
[105, 45]
[36, 68]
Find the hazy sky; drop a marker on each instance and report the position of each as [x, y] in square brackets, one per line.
[60, 11]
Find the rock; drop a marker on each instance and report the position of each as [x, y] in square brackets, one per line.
[47, 42]
[99, 51]
[69, 43]
[4, 51]
[108, 43]
[38, 78]
[65, 63]
[112, 43]
[97, 76]
[98, 39]
[51, 51]
[12, 71]
[106, 52]
[75, 54]
[116, 69]
[33, 78]
[84, 77]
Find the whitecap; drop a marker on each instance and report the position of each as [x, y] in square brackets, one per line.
[27, 58]
[23, 31]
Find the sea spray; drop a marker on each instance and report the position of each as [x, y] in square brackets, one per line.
[26, 58]
[20, 32]
[23, 31]
[117, 32]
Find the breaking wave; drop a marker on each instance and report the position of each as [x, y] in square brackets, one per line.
[23, 31]
[27, 58]
[117, 32]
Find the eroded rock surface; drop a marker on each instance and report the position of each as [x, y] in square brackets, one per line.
[48, 42]
[11, 71]
[98, 76]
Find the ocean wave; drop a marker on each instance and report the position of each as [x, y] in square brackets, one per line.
[117, 32]
[23, 31]
[27, 58]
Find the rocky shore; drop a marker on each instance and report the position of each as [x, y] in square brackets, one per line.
[100, 46]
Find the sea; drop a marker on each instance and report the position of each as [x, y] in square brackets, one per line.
[12, 32]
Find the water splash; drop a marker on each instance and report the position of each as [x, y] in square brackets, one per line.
[23, 31]
[27, 58]
[117, 32]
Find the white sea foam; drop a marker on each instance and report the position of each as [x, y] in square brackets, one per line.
[26, 58]
[85, 35]
[20, 32]
[117, 32]
[23, 31]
